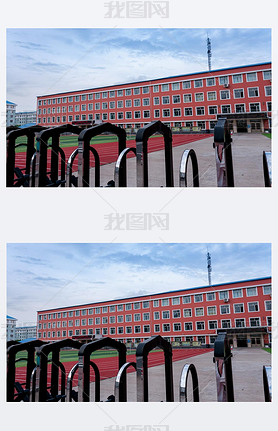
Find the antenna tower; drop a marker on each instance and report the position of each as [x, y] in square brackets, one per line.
[209, 53]
[209, 268]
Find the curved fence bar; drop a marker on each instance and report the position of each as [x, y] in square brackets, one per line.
[183, 168]
[42, 179]
[223, 154]
[84, 364]
[189, 368]
[142, 352]
[69, 177]
[267, 379]
[42, 354]
[121, 165]
[267, 166]
[223, 368]
[30, 347]
[30, 133]
[142, 137]
[120, 389]
[84, 146]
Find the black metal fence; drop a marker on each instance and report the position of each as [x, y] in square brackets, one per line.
[46, 380]
[43, 168]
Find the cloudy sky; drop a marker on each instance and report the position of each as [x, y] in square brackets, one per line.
[42, 276]
[46, 61]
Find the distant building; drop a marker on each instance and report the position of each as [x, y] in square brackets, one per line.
[24, 332]
[10, 113]
[11, 324]
[23, 118]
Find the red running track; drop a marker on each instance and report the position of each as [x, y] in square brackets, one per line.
[108, 367]
[108, 152]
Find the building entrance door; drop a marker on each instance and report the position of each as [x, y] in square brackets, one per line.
[241, 126]
[255, 126]
[256, 341]
[241, 340]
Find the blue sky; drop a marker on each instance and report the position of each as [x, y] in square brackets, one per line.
[45, 61]
[41, 276]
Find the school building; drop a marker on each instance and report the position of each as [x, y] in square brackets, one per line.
[192, 316]
[192, 101]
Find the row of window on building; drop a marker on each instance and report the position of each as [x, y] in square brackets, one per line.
[174, 86]
[157, 315]
[164, 302]
[164, 113]
[164, 100]
[158, 328]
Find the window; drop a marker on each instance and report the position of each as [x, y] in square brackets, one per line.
[251, 76]
[175, 86]
[210, 82]
[156, 315]
[128, 318]
[176, 314]
[226, 324]
[112, 93]
[223, 80]
[97, 320]
[226, 109]
[211, 296]
[128, 92]
[255, 107]
[177, 112]
[238, 93]
[156, 101]
[224, 294]
[136, 90]
[200, 110]
[200, 326]
[146, 102]
[84, 97]
[237, 293]
[146, 316]
[137, 114]
[164, 87]
[253, 92]
[166, 327]
[177, 99]
[146, 328]
[128, 115]
[166, 314]
[137, 317]
[267, 290]
[211, 310]
[238, 308]
[198, 83]
[267, 74]
[156, 88]
[137, 329]
[165, 302]
[199, 97]
[253, 306]
[224, 94]
[267, 90]
[165, 100]
[156, 328]
[269, 323]
[128, 307]
[128, 330]
[136, 305]
[224, 309]
[186, 299]
[156, 303]
[237, 78]
[145, 90]
[165, 112]
[90, 321]
[212, 324]
[251, 291]
[188, 111]
[120, 329]
[255, 321]
[188, 326]
[120, 93]
[198, 297]
[146, 304]
[240, 323]
[239, 108]
[177, 327]
[212, 110]
[187, 312]
[187, 98]
[128, 103]
[146, 114]
[199, 311]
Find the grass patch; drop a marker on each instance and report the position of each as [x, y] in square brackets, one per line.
[267, 349]
[268, 135]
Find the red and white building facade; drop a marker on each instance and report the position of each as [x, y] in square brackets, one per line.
[193, 101]
[191, 316]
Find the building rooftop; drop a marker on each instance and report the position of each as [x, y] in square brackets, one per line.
[11, 318]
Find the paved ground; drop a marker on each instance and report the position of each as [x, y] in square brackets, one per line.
[247, 365]
[247, 150]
